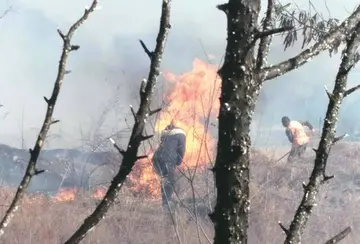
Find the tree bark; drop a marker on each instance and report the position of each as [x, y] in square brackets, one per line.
[238, 96]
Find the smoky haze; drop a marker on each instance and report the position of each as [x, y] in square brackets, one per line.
[110, 64]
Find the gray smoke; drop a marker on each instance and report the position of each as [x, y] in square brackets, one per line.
[111, 64]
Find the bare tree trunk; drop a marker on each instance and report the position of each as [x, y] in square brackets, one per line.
[242, 78]
[238, 97]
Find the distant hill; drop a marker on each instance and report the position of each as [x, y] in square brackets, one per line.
[64, 168]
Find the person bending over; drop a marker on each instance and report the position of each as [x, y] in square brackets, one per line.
[297, 136]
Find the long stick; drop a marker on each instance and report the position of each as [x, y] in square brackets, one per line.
[283, 156]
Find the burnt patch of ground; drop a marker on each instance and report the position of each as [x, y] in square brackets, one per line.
[276, 189]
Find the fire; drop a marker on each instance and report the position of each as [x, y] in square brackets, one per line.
[65, 195]
[143, 180]
[99, 193]
[192, 103]
[69, 194]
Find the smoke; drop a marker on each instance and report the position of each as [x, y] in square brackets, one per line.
[111, 64]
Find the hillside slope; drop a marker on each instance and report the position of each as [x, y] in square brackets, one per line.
[64, 167]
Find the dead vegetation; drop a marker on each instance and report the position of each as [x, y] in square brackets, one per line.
[273, 189]
[276, 190]
[31, 169]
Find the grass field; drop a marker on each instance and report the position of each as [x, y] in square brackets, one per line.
[275, 192]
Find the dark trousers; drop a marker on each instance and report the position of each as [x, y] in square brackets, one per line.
[168, 186]
[296, 152]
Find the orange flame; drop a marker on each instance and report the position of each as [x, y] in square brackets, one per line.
[193, 100]
[65, 195]
[69, 194]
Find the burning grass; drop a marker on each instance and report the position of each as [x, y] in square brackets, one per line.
[192, 103]
[132, 220]
[137, 216]
[275, 193]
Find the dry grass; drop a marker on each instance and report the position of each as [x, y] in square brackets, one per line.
[276, 191]
[41, 220]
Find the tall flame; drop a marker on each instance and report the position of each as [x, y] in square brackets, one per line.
[192, 103]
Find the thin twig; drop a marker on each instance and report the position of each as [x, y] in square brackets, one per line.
[5, 12]
[172, 214]
[336, 239]
[351, 90]
[192, 217]
[48, 121]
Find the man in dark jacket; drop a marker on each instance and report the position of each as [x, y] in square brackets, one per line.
[169, 155]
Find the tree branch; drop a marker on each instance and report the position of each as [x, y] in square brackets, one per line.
[325, 43]
[339, 138]
[121, 151]
[130, 156]
[271, 32]
[48, 121]
[265, 36]
[351, 90]
[318, 175]
[265, 40]
[329, 95]
[155, 111]
[5, 12]
[146, 50]
[223, 7]
[336, 239]
[286, 231]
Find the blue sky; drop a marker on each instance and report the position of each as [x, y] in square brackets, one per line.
[110, 63]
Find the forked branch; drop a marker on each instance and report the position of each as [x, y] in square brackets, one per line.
[318, 175]
[48, 121]
[130, 155]
[351, 90]
[265, 35]
[323, 44]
